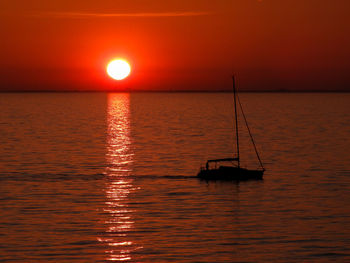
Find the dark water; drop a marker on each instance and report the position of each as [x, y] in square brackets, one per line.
[109, 177]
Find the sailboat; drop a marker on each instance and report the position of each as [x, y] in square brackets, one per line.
[230, 168]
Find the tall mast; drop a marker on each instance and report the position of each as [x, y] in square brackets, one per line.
[236, 118]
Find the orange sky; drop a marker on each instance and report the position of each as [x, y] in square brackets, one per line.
[175, 44]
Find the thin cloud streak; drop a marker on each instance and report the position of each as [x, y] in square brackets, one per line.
[77, 15]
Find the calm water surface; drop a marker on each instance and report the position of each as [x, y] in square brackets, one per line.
[97, 177]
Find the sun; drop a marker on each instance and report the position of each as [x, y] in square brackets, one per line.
[118, 69]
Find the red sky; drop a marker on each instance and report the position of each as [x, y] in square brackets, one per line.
[175, 44]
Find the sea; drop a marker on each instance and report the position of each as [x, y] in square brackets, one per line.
[101, 177]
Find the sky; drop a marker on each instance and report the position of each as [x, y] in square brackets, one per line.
[175, 44]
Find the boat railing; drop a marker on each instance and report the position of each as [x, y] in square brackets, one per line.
[216, 161]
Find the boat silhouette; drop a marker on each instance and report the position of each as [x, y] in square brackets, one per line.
[230, 168]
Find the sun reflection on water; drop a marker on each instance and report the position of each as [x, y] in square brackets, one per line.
[119, 185]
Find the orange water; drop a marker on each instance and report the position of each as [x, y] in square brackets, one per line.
[94, 177]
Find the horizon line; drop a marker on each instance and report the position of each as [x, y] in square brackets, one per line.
[173, 91]
[84, 15]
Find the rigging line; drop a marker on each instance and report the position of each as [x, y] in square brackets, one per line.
[250, 134]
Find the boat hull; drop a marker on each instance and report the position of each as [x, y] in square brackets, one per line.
[229, 173]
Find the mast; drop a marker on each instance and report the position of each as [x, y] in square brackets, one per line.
[236, 118]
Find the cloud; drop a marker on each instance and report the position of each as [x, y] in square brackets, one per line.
[82, 15]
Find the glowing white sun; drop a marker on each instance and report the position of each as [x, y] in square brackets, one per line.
[118, 69]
